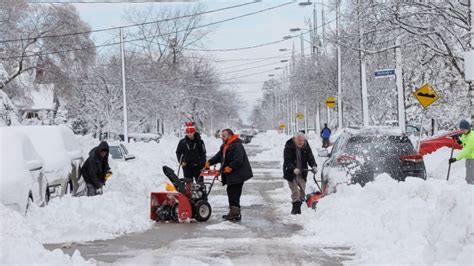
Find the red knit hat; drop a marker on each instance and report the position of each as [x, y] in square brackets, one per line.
[189, 127]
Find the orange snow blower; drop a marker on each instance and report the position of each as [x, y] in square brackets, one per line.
[188, 201]
[312, 199]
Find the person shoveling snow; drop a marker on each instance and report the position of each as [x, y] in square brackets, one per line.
[96, 169]
[467, 142]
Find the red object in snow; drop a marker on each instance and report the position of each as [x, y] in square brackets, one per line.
[177, 203]
[433, 144]
[313, 198]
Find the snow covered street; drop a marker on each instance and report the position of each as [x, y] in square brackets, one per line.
[385, 222]
[262, 235]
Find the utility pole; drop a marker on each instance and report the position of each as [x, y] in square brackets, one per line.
[363, 73]
[471, 75]
[125, 118]
[399, 82]
[339, 63]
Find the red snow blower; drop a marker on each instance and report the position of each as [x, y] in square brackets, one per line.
[313, 198]
[188, 201]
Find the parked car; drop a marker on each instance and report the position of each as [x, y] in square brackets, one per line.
[142, 137]
[118, 152]
[367, 152]
[22, 181]
[62, 156]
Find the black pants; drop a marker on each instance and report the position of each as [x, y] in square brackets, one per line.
[193, 173]
[326, 142]
[233, 193]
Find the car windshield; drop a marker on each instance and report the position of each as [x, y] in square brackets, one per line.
[115, 152]
[124, 149]
[386, 146]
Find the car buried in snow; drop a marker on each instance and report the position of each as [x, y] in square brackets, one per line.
[62, 156]
[118, 151]
[363, 154]
[22, 180]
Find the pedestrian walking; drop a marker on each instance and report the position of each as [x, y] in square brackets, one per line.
[235, 170]
[325, 135]
[466, 140]
[96, 170]
[297, 156]
[191, 153]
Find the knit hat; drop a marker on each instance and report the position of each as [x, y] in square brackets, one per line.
[190, 127]
[464, 125]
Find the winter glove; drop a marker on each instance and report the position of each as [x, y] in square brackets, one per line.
[227, 170]
[314, 169]
[452, 160]
[207, 165]
[183, 164]
[108, 175]
[98, 191]
[297, 171]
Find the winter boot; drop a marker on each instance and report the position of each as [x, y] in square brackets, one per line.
[226, 215]
[234, 214]
[298, 207]
[293, 209]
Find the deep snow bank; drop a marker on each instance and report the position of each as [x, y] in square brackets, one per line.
[389, 222]
[124, 206]
[19, 244]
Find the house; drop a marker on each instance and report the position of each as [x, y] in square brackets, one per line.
[39, 106]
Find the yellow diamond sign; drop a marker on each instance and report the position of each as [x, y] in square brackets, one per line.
[330, 102]
[282, 126]
[300, 115]
[426, 95]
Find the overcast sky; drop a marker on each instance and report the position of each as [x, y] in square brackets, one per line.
[248, 31]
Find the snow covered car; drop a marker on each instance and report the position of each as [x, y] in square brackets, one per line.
[62, 156]
[365, 153]
[142, 137]
[119, 152]
[21, 175]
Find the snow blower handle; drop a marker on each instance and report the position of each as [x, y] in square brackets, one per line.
[179, 165]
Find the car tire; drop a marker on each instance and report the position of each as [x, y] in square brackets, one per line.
[29, 202]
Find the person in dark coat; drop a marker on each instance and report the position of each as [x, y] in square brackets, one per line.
[95, 169]
[325, 135]
[191, 153]
[235, 170]
[297, 156]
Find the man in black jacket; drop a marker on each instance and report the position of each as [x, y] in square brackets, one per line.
[191, 153]
[297, 156]
[235, 170]
[95, 168]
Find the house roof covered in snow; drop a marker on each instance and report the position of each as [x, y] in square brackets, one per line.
[40, 98]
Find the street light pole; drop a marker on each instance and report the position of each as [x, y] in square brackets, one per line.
[399, 82]
[125, 118]
[363, 73]
[339, 63]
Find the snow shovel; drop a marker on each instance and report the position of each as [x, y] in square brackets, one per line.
[449, 168]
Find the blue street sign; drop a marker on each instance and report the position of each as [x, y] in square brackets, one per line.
[384, 73]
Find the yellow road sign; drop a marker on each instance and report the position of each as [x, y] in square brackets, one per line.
[330, 102]
[426, 95]
[282, 126]
[300, 115]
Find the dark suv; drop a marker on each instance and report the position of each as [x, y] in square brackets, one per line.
[365, 153]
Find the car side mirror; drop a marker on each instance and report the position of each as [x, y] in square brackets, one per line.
[129, 157]
[34, 165]
[323, 153]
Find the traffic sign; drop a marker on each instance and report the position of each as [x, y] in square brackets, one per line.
[282, 126]
[330, 102]
[384, 73]
[426, 95]
[300, 116]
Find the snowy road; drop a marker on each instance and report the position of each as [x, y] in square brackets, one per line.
[261, 237]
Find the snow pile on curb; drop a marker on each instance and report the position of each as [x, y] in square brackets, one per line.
[124, 206]
[19, 245]
[412, 222]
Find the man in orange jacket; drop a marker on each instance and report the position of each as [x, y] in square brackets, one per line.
[235, 170]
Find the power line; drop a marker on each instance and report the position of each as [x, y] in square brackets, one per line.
[144, 38]
[128, 26]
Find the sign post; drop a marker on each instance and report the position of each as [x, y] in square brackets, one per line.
[426, 96]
